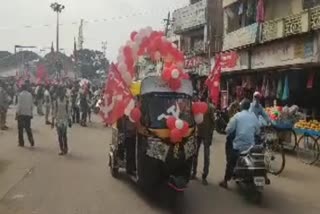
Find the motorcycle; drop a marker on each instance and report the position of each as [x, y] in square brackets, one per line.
[251, 172]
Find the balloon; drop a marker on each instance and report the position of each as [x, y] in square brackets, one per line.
[175, 84]
[185, 129]
[198, 118]
[122, 67]
[175, 136]
[203, 107]
[135, 114]
[166, 75]
[179, 124]
[171, 122]
[133, 35]
[175, 74]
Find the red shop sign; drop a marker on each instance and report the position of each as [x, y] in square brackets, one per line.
[229, 59]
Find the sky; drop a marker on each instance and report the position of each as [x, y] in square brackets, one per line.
[32, 22]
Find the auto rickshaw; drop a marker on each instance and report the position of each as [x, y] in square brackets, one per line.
[158, 161]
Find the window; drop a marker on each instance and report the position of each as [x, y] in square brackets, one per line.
[310, 3]
[241, 14]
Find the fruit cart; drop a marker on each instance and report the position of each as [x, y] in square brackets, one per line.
[308, 150]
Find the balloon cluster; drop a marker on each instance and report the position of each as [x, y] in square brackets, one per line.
[154, 44]
[199, 109]
[178, 129]
[173, 75]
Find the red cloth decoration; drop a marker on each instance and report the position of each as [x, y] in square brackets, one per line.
[117, 96]
[213, 81]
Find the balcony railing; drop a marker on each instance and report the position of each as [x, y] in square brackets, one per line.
[272, 30]
[315, 18]
[296, 24]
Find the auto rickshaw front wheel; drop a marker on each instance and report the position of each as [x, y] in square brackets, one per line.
[113, 169]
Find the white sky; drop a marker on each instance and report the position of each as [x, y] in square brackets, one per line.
[15, 14]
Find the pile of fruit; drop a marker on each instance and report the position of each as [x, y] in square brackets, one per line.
[313, 125]
[274, 112]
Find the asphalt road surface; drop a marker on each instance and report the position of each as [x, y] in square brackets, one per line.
[38, 181]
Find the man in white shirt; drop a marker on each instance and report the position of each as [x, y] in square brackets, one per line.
[25, 114]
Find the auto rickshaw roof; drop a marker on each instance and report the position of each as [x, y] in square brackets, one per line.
[153, 84]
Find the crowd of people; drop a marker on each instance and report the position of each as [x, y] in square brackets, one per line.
[61, 105]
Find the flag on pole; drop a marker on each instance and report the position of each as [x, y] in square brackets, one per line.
[213, 81]
[117, 97]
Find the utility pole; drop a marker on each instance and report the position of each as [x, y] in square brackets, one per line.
[104, 48]
[80, 35]
[57, 8]
[167, 23]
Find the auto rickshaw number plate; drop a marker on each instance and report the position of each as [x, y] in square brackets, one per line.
[157, 150]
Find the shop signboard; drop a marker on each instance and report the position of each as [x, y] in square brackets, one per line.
[290, 52]
[234, 61]
[242, 37]
[189, 17]
[197, 64]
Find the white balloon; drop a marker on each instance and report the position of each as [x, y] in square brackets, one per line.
[121, 50]
[175, 74]
[179, 124]
[198, 118]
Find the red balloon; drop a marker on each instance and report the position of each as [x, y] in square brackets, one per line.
[196, 106]
[175, 136]
[135, 114]
[174, 84]
[171, 122]
[203, 107]
[166, 75]
[133, 35]
[185, 129]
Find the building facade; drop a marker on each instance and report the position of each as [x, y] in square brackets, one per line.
[200, 35]
[275, 42]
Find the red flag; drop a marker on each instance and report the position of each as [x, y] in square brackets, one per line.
[42, 74]
[213, 81]
[117, 97]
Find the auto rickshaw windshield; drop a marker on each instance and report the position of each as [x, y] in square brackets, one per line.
[156, 107]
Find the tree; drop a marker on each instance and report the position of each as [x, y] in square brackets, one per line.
[90, 62]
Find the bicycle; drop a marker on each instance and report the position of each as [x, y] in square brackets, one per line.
[308, 148]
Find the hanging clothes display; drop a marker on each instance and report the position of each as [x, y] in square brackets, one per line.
[310, 82]
[279, 89]
[285, 95]
[260, 11]
[267, 90]
[263, 86]
[273, 89]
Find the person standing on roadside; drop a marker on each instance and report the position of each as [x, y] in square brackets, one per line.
[39, 93]
[204, 136]
[47, 104]
[75, 106]
[25, 114]
[4, 105]
[61, 119]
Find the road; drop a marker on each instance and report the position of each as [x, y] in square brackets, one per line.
[38, 181]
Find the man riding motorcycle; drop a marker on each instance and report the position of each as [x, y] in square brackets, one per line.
[241, 132]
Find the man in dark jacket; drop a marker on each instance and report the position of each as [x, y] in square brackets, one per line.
[204, 136]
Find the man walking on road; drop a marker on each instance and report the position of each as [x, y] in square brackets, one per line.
[25, 114]
[4, 104]
[47, 104]
[204, 136]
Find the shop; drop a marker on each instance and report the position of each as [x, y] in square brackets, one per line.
[285, 71]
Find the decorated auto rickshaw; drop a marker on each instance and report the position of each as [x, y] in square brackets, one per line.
[161, 110]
